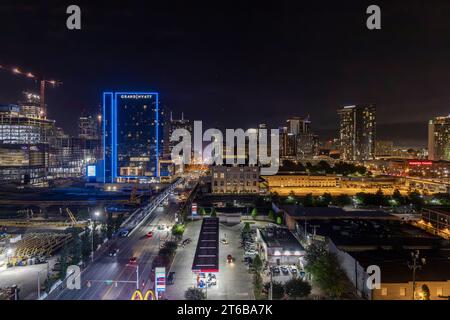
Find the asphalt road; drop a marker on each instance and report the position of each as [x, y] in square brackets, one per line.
[117, 268]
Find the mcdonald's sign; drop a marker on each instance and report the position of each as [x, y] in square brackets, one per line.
[137, 295]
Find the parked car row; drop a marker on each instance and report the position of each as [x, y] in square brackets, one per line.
[287, 270]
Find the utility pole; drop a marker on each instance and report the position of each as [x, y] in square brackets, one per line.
[271, 285]
[416, 263]
[137, 277]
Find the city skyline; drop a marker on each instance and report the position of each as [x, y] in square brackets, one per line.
[297, 67]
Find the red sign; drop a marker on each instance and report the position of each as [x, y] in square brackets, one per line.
[420, 163]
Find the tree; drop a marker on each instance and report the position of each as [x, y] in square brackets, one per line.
[254, 213]
[86, 245]
[397, 196]
[213, 212]
[257, 285]
[271, 215]
[279, 220]
[194, 294]
[308, 201]
[277, 289]
[109, 226]
[178, 229]
[343, 200]
[328, 275]
[257, 264]
[75, 250]
[246, 228]
[327, 199]
[425, 292]
[297, 288]
[416, 199]
[202, 211]
[63, 261]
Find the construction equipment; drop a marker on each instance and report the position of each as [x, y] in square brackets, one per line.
[72, 217]
[41, 244]
[43, 83]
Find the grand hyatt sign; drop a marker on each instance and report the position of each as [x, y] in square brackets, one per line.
[135, 96]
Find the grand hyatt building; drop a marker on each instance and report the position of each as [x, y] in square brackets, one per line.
[132, 136]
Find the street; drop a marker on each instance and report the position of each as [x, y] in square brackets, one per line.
[117, 269]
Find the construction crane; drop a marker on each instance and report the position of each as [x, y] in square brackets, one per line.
[43, 84]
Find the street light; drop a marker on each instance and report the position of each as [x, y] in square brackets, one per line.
[93, 226]
[416, 263]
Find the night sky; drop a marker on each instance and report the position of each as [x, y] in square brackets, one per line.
[238, 63]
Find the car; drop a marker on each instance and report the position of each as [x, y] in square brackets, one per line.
[224, 241]
[276, 270]
[171, 278]
[229, 258]
[113, 252]
[186, 241]
[294, 270]
[123, 233]
[285, 270]
[149, 234]
[302, 273]
[132, 260]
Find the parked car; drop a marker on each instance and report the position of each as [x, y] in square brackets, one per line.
[113, 252]
[224, 241]
[171, 278]
[285, 270]
[229, 258]
[276, 270]
[294, 270]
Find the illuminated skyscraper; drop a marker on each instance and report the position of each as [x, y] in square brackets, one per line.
[132, 136]
[439, 139]
[357, 132]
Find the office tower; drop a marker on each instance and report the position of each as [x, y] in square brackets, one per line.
[439, 138]
[287, 144]
[297, 125]
[357, 132]
[24, 142]
[175, 124]
[132, 136]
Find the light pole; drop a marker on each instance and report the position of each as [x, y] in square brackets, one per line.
[416, 263]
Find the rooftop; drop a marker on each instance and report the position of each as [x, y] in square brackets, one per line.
[394, 265]
[298, 211]
[280, 237]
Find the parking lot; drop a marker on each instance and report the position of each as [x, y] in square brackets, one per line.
[233, 281]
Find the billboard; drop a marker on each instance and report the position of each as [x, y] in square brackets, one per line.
[160, 281]
[91, 171]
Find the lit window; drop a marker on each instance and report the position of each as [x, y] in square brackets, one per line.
[384, 291]
[439, 292]
[402, 292]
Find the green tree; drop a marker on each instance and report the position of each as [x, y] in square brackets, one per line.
[257, 285]
[254, 213]
[425, 292]
[297, 288]
[75, 250]
[343, 200]
[257, 264]
[202, 211]
[277, 289]
[416, 199]
[328, 275]
[178, 230]
[271, 215]
[279, 220]
[327, 199]
[213, 212]
[63, 261]
[194, 294]
[86, 245]
[246, 228]
[308, 200]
